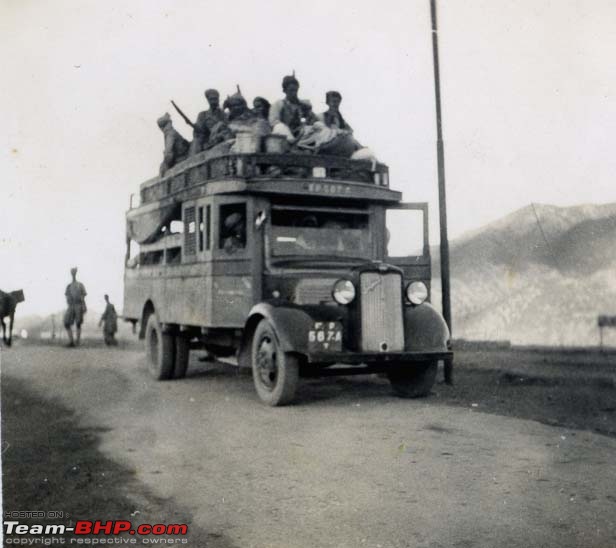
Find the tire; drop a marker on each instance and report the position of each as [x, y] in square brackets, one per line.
[182, 353]
[159, 349]
[275, 374]
[413, 381]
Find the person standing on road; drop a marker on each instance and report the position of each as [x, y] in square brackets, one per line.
[109, 322]
[76, 308]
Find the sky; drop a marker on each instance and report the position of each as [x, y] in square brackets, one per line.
[527, 92]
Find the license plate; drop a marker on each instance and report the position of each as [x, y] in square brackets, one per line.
[325, 336]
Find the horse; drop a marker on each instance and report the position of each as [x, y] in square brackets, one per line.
[8, 304]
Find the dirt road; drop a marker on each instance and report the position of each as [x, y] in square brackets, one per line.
[349, 466]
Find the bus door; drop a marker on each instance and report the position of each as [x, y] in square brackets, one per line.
[233, 245]
[406, 240]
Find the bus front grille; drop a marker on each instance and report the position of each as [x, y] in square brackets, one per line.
[314, 291]
[382, 328]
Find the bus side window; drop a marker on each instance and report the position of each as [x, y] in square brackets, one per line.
[201, 224]
[232, 227]
[190, 236]
[208, 227]
[204, 223]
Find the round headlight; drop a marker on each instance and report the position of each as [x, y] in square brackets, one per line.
[344, 292]
[416, 292]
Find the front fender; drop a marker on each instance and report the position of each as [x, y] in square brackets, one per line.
[425, 329]
[291, 326]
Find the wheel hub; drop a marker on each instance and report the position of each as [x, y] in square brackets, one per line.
[266, 363]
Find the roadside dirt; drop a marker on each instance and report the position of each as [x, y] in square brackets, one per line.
[513, 455]
[569, 389]
[52, 463]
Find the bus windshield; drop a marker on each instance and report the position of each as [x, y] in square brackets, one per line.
[314, 232]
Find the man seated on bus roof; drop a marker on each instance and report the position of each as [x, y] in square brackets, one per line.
[261, 107]
[332, 117]
[176, 147]
[286, 115]
[240, 120]
[344, 144]
[206, 120]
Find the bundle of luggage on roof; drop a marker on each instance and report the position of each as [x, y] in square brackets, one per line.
[289, 125]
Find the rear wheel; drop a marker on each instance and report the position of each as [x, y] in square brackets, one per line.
[182, 353]
[159, 349]
[275, 374]
[413, 380]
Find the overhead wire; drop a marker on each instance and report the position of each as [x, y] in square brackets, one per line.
[545, 239]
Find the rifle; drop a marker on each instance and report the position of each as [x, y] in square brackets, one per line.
[186, 118]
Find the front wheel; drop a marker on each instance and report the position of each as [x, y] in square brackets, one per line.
[413, 380]
[275, 374]
[159, 349]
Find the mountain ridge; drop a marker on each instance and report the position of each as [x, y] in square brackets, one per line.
[540, 275]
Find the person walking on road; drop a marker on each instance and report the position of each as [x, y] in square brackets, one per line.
[76, 308]
[109, 322]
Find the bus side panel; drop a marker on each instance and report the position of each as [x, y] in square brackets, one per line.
[204, 300]
[195, 294]
[138, 288]
[187, 300]
[232, 300]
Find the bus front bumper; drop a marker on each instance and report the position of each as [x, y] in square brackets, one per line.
[369, 362]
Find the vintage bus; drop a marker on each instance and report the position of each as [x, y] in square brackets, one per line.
[296, 265]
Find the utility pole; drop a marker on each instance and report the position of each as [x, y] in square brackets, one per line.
[442, 200]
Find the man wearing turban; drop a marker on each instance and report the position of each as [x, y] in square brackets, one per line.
[109, 321]
[206, 121]
[176, 147]
[233, 233]
[261, 107]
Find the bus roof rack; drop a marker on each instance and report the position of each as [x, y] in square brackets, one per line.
[255, 167]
